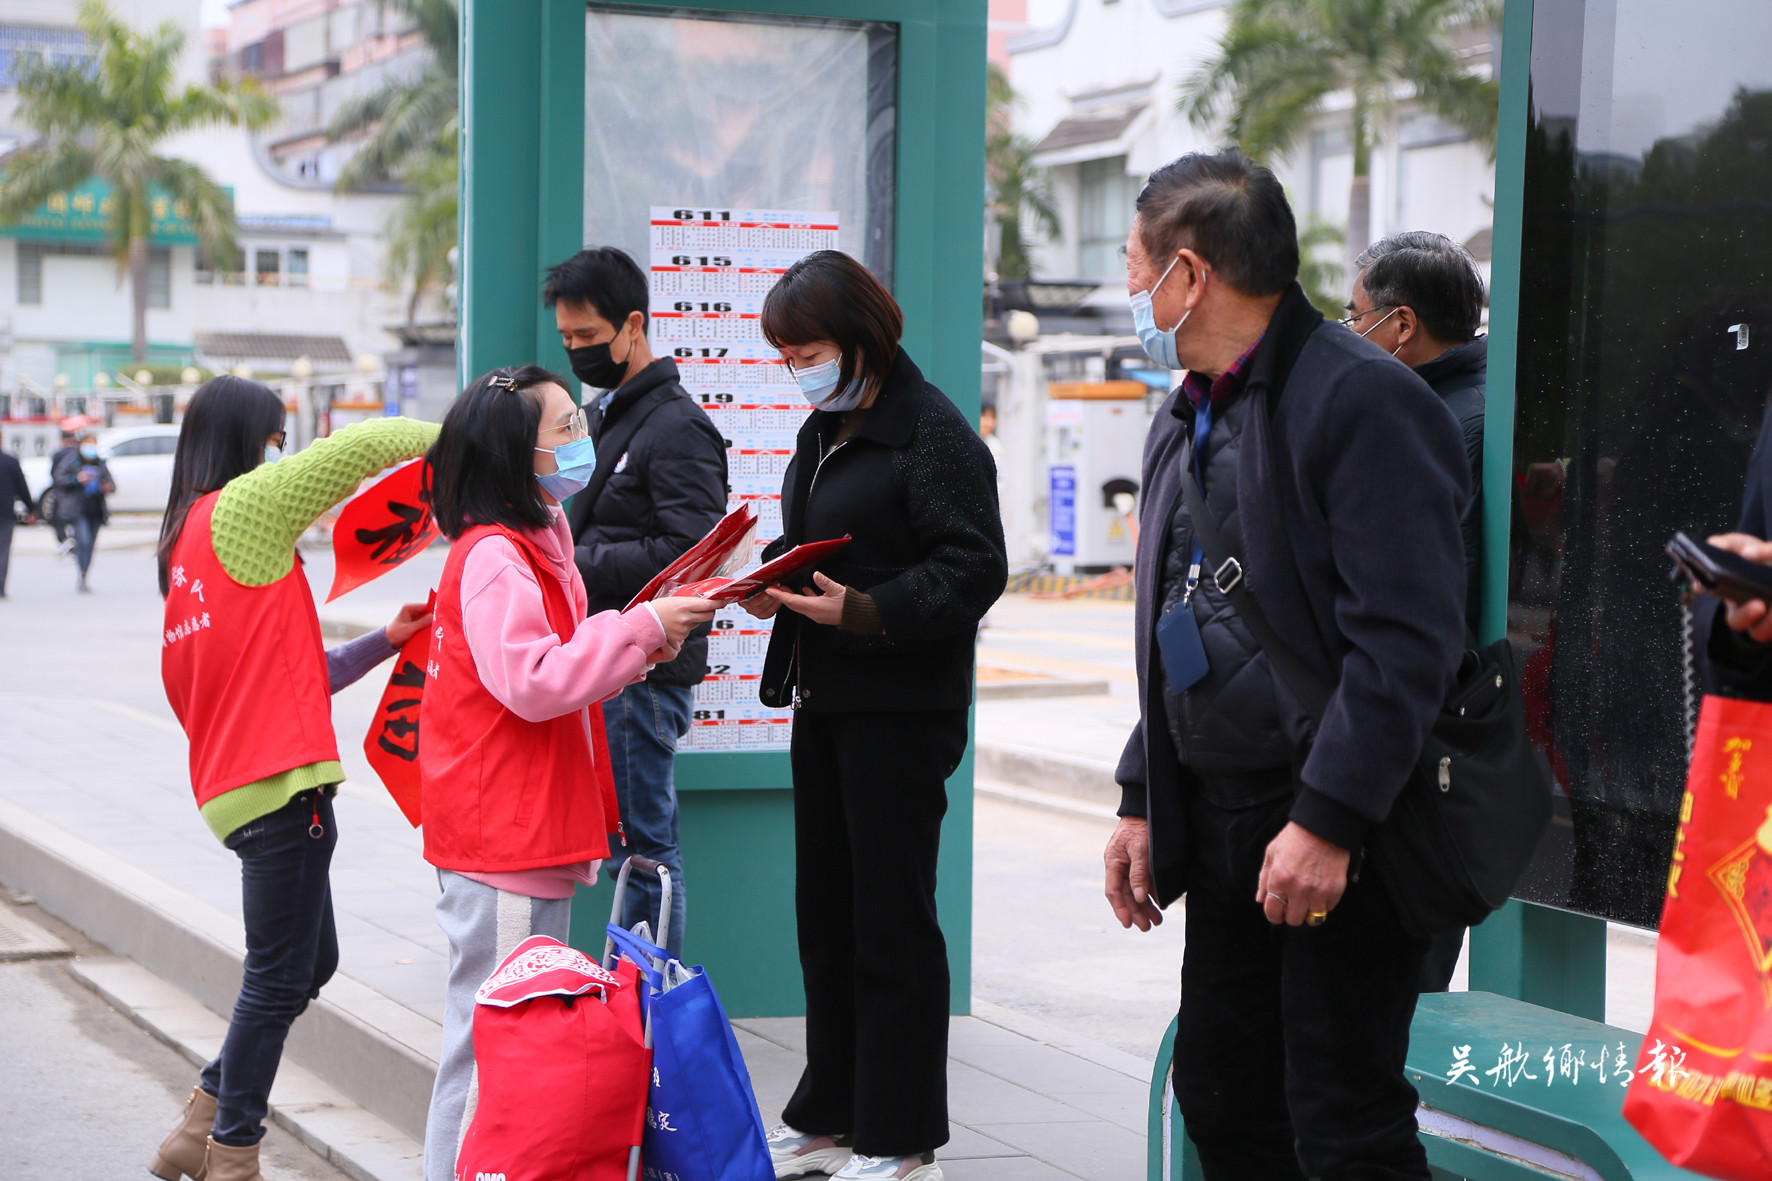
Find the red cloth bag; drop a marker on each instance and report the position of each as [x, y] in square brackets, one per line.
[1702, 1092]
[563, 1068]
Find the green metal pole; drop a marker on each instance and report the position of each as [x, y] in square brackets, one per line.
[1549, 957]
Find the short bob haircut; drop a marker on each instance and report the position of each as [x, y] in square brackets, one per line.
[481, 469]
[1229, 210]
[1431, 274]
[829, 296]
[223, 438]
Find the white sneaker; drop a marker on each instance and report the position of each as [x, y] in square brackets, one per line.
[920, 1167]
[795, 1153]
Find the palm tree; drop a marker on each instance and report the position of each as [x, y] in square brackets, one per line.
[104, 118]
[410, 129]
[425, 227]
[1279, 60]
[1017, 191]
[1320, 278]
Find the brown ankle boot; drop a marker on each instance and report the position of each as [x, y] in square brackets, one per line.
[233, 1164]
[182, 1152]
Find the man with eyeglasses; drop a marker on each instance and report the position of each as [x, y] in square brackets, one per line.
[1419, 297]
[658, 487]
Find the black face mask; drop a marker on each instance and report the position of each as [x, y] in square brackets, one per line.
[596, 368]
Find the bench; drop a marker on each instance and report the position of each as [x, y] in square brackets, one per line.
[1509, 1092]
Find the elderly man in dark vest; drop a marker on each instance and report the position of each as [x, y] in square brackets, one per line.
[1336, 480]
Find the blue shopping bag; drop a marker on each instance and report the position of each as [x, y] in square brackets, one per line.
[702, 1122]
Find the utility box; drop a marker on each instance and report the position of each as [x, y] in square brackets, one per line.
[1094, 449]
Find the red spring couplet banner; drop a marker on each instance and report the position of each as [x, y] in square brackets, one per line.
[392, 742]
[1702, 1093]
[382, 526]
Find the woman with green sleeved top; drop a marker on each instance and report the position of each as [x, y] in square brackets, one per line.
[250, 681]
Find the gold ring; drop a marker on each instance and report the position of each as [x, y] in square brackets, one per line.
[1317, 918]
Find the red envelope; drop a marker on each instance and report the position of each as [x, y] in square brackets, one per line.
[392, 742]
[381, 527]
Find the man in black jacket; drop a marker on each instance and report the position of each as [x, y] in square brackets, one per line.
[14, 490]
[658, 487]
[1338, 478]
[1419, 297]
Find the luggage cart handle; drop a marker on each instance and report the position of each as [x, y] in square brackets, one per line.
[662, 928]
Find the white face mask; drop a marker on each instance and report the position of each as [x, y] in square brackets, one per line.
[1374, 328]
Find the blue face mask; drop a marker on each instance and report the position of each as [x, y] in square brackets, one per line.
[273, 453]
[88, 451]
[819, 384]
[1159, 344]
[576, 461]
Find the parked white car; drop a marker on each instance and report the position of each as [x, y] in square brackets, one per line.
[140, 459]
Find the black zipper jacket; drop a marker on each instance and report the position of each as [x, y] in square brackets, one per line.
[660, 493]
[915, 488]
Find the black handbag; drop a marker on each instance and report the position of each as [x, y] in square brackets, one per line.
[1467, 822]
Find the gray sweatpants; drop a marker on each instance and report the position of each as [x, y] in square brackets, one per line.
[484, 926]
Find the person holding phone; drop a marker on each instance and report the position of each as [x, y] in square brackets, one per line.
[875, 653]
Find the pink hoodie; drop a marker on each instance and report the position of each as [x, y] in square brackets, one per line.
[522, 662]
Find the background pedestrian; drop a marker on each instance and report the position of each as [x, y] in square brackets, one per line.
[875, 653]
[658, 487]
[247, 675]
[82, 481]
[14, 490]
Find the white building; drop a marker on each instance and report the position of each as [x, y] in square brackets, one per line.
[1099, 83]
[1100, 80]
[308, 280]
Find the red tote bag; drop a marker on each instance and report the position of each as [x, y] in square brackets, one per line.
[1702, 1093]
[563, 1065]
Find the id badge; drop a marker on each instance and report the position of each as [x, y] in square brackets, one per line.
[1178, 642]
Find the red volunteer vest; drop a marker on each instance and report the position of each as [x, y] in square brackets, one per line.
[244, 667]
[501, 793]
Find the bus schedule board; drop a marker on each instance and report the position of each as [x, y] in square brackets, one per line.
[709, 271]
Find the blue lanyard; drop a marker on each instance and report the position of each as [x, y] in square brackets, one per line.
[1202, 432]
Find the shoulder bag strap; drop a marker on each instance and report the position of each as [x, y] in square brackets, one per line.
[1228, 574]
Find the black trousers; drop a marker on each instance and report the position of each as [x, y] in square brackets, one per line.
[6, 526]
[291, 950]
[1290, 1051]
[869, 796]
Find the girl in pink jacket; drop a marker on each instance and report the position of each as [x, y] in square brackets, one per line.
[514, 816]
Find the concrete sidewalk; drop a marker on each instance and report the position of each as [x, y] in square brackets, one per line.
[96, 821]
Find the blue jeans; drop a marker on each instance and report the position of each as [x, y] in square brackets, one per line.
[644, 722]
[291, 950]
[85, 537]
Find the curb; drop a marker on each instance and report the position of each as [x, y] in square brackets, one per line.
[378, 1053]
[351, 1139]
[1025, 766]
[1047, 687]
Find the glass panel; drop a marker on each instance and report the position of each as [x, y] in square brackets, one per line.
[749, 113]
[1106, 198]
[1648, 239]
[298, 266]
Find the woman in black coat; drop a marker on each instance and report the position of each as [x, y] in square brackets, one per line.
[876, 657]
[82, 481]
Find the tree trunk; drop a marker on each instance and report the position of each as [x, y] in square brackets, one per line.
[138, 281]
[1359, 197]
[1359, 221]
